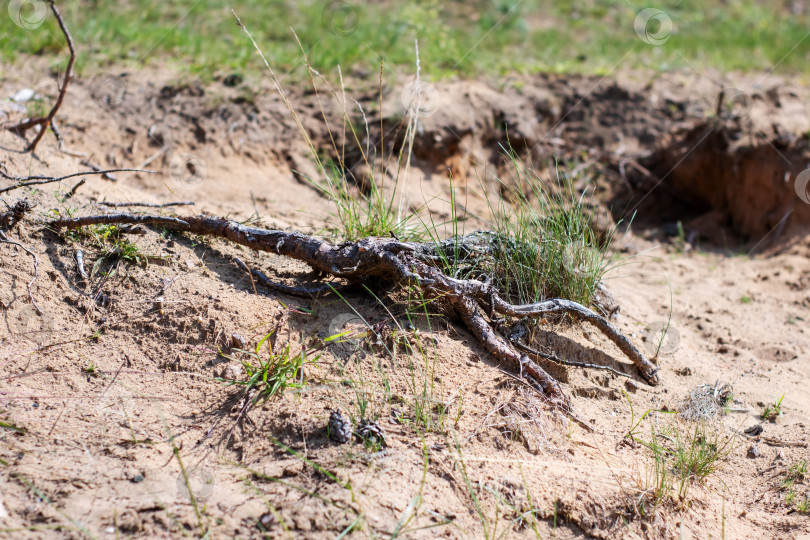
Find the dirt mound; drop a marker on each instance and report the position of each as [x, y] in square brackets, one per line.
[116, 417]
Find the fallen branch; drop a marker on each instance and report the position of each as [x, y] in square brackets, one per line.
[46, 121]
[387, 261]
[112, 219]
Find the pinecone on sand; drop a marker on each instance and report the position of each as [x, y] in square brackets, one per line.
[371, 430]
[339, 428]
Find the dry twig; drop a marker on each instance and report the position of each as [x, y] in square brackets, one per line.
[25, 181]
[145, 204]
[61, 142]
[46, 121]
[105, 174]
[311, 292]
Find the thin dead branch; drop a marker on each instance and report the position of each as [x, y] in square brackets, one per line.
[61, 142]
[389, 262]
[89, 164]
[562, 361]
[25, 181]
[73, 190]
[310, 292]
[46, 121]
[145, 204]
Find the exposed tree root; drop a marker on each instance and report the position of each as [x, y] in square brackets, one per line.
[289, 289]
[389, 261]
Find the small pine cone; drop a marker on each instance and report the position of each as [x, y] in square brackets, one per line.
[371, 430]
[340, 429]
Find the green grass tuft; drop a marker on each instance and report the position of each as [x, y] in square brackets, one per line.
[774, 410]
[547, 246]
[270, 374]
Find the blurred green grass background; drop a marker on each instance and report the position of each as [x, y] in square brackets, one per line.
[467, 39]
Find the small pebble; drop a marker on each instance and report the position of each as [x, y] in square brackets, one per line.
[238, 342]
[23, 95]
[754, 430]
[232, 372]
[267, 520]
[753, 451]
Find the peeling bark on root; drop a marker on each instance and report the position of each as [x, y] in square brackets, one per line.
[398, 263]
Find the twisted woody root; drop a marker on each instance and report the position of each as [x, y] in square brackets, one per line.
[474, 302]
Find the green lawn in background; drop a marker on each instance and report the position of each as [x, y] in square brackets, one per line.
[468, 39]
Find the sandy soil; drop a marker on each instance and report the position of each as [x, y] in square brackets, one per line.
[98, 451]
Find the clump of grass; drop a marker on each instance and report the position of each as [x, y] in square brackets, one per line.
[706, 401]
[377, 210]
[698, 453]
[682, 455]
[114, 245]
[271, 374]
[109, 241]
[796, 474]
[547, 247]
[91, 370]
[369, 213]
[798, 471]
[773, 410]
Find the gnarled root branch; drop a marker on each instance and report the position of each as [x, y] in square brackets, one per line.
[473, 301]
